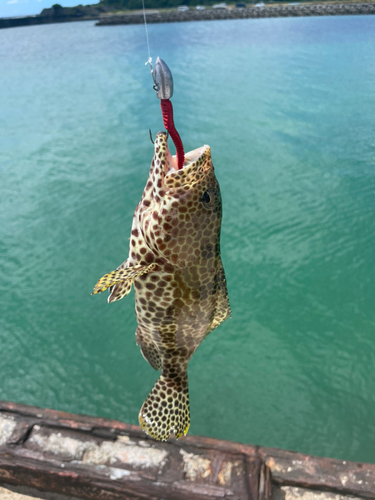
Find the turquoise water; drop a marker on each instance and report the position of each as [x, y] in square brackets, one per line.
[287, 106]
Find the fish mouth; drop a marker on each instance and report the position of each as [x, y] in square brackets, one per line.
[194, 168]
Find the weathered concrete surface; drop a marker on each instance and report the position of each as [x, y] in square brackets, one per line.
[295, 469]
[10, 495]
[293, 493]
[283, 493]
[122, 451]
[250, 12]
[7, 426]
[25, 493]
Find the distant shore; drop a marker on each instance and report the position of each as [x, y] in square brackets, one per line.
[106, 18]
[58, 14]
[302, 10]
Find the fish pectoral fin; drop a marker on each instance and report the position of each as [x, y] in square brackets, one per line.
[120, 276]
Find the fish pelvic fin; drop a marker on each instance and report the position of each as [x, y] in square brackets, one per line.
[166, 409]
[119, 291]
[121, 276]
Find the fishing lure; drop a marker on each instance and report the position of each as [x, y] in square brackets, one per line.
[175, 265]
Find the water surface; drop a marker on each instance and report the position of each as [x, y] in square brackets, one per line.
[287, 108]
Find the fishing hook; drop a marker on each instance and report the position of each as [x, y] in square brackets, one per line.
[152, 71]
[152, 138]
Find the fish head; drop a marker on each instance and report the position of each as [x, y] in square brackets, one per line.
[180, 211]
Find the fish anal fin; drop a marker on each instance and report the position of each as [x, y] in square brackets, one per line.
[121, 275]
[159, 417]
[148, 348]
[222, 310]
[151, 355]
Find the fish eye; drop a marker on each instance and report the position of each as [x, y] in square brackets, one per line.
[208, 198]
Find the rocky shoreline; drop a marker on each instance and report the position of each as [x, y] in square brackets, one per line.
[104, 18]
[249, 12]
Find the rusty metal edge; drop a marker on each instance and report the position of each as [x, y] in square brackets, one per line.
[81, 482]
[112, 428]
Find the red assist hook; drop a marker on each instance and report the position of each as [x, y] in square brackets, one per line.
[163, 85]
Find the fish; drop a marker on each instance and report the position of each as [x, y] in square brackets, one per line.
[179, 281]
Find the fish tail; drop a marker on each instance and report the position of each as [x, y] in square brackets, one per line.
[166, 408]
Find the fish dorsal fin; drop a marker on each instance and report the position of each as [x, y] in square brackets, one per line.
[222, 310]
[121, 275]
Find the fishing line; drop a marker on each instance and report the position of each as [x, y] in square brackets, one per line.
[148, 44]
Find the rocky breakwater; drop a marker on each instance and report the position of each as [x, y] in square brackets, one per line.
[249, 12]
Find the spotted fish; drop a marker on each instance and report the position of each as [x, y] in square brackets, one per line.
[180, 288]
